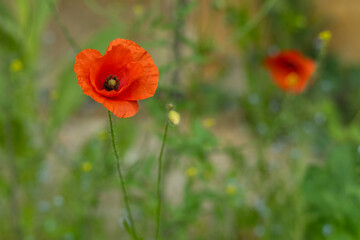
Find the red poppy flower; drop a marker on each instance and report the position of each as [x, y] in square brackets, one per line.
[291, 70]
[125, 74]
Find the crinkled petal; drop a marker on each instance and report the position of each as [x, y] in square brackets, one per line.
[121, 108]
[137, 88]
[145, 86]
[83, 63]
[114, 62]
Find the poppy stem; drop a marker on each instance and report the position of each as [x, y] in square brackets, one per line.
[132, 229]
[159, 181]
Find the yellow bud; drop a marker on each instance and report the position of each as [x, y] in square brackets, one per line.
[102, 135]
[138, 10]
[16, 65]
[174, 117]
[86, 166]
[325, 36]
[208, 122]
[54, 95]
[230, 189]
[292, 79]
[191, 172]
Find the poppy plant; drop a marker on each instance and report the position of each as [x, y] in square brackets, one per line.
[291, 70]
[125, 74]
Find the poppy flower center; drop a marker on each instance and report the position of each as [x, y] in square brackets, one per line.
[292, 79]
[290, 66]
[112, 82]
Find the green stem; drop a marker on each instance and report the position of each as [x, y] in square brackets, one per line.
[356, 117]
[122, 181]
[253, 22]
[319, 61]
[63, 28]
[159, 180]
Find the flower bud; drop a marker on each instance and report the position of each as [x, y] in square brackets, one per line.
[86, 166]
[325, 36]
[170, 106]
[191, 172]
[174, 117]
[16, 65]
[230, 189]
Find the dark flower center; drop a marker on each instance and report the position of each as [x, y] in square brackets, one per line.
[111, 83]
[291, 66]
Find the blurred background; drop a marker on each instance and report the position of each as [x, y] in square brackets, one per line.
[247, 161]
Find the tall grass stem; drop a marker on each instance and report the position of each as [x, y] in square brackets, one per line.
[63, 28]
[254, 21]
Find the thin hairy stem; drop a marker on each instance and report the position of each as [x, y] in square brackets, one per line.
[122, 181]
[159, 182]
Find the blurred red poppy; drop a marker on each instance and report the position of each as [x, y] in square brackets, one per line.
[291, 70]
[125, 74]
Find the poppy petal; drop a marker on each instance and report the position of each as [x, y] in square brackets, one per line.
[135, 72]
[309, 67]
[291, 70]
[143, 87]
[112, 63]
[137, 89]
[120, 108]
[83, 63]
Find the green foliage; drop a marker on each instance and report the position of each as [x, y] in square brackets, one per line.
[332, 194]
[249, 163]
